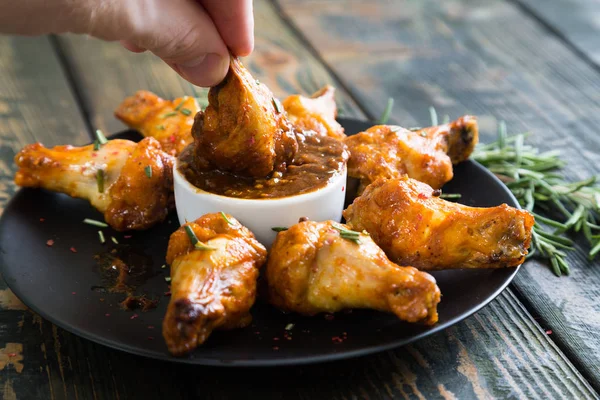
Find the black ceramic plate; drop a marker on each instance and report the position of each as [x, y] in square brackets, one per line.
[66, 287]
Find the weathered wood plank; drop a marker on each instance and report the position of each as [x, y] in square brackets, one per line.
[489, 59]
[575, 21]
[469, 360]
[36, 104]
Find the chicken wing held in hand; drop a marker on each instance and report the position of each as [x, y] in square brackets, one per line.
[169, 122]
[315, 267]
[317, 113]
[244, 129]
[408, 220]
[213, 286]
[387, 151]
[130, 183]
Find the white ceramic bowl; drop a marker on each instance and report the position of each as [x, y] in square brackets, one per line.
[260, 215]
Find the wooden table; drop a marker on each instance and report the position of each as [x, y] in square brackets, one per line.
[535, 66]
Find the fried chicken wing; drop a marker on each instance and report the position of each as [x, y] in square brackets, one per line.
[244, 129]
[415, 227]
[211, 288]
[169, 122]
[312, 268]
[131, 183]
[317, 113]
[386, 151]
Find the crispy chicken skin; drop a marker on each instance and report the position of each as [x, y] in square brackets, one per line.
[312, 269]
[130, 199]
[317, 113]
[414, 227]
[210, 289]
[169, 122]
[387, 151]
[244, 129]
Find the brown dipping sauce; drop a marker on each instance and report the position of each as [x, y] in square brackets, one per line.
[319, 158]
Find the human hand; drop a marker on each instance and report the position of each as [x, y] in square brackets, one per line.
[193, 37]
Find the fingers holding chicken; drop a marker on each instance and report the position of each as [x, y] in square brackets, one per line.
[131, 183]
[415, 227]
[169, 122]
[244, 129]
[317, 113]
[213, 283]
[318, 267]
[387, 151]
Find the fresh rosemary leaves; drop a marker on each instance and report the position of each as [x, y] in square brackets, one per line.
[534, 180]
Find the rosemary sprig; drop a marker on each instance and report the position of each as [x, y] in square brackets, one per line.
[347, 233]
[387, 112]
[534, 179]
[194, 239]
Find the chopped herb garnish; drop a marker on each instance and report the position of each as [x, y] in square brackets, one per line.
[179, 105]
[95, 223]
[101, 237]
[163, 266]
[423, 134]
[194, 239]
[289, 327]
[225, 218]
[114, 240]
[450, 195]
[96, 145]
[276, 105]
[100, 180]
[148, 171]
[415, 128]
[171, 114]
[100, 137]
[347, 233]
[279, 228]
[387, 112]
[168, 278]
[160, 127]
[186, 111]
[395, 128]
[257, 82]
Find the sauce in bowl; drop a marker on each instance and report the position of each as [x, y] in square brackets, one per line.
[318, 160]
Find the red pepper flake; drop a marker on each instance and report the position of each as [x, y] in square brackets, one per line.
[73, 292]
[42, 219]
[127, 236]
[329, 317]
[94, 154]
[549, 332]
[150, 326]
[107, 315]
[252, 140]
[167, 293]
[115, 153]
[12, 354]
[257, 332]
[275, 348]
[422, 196]
[50, 243]
[337, 339]
[343, 188]
[172, 138]
[134, 316]
[73, 250]
[150, 337]
[275, 338]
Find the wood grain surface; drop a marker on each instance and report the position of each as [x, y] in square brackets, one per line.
[489, 59]
[501, 352]
[573, 21]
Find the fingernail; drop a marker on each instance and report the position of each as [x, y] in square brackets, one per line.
[207, 70]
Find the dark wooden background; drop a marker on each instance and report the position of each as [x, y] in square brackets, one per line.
[534, 64]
